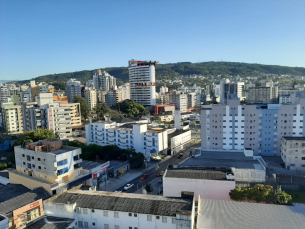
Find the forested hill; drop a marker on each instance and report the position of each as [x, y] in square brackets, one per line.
[184, 68]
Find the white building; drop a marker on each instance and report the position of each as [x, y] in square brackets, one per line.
[73, 88]
[192, 99]
[12, 118]
[103, 81]
[178, 139]
[292, 153]
[109, 210]
[208, 182]
[91, 97]
[142, 82]
[142, 138]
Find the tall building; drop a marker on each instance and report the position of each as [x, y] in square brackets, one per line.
[191, 99]
[73, 88]
[75, 113]
[48, 164]
[4, 93]
[263, 95]
[103, 81]
[142, 82]
[12, 118]
[179, 99]
[258, 127]
[113, 97]
[227, 88]
[91, 97]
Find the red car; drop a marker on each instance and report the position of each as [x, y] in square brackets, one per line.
[160, 174]
[144, 176]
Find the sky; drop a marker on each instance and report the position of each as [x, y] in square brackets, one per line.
[46, 37]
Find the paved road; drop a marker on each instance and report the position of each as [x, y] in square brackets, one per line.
[138, 183]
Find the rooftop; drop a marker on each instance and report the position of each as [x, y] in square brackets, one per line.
[89, 164]
[176, 133]
[49, 222]
[4, 174]
[126, 202]
[24, 199]
[224, 159]
[216, 214]
[10, 191]
[198, 172]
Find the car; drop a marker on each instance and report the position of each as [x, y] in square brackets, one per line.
[180, 155]
[118, 191]
[160, 174]
[128, 186]
[3, 158]
[144, 176]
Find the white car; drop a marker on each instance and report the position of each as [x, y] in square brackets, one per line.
[128, 186]
[119, 191]
[3, 158]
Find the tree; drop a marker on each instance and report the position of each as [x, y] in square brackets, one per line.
[101, 110]
[83, 105]
[136, 160]
[34, 136]
[149, 188]
[259, 192]
[279, 197]
[155, 118]
[238, 194]
[131, 109]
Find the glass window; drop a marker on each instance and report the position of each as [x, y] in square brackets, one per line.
[116, 215]
[106, 226]
[173, 220]
[116, 227]
[105, 213]
[164, 219]
[80, 224]
[85, 224]
[149, 217]
[85, 211]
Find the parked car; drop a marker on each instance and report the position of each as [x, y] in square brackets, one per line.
[128, 186]
[180, 155]
[3, 158]
[144, 176]
[160, 174]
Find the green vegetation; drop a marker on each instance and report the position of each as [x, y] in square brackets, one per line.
[131, 109]
[155, 118]
[34, 136]
[110, 152]
[84, 109]
[103, 109]
[169, 71]
[298, 196]
[261, 193]
[149, 188]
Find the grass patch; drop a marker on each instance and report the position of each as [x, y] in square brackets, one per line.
[298, 196]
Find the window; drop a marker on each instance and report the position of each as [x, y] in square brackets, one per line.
[105, 213]
[149, 217]
[106, 226]
[164, 219]
[85, 224]
[23, 163]
[129, 214]
[135, 228]
[93, 224]
[39, 167]
[85, 211]
[39, 159]
[157, 217]
[116, 215]
[116, 227]
[173, 220]
[23, 155]
[28, 157]
[303, 158]
[80, 224]
[135, 215]
[92, 210]
[33, 158]
[130, 227]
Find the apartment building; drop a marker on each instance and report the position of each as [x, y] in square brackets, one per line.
[110, 210]
[73, 88]
[4, 93]
[191, 99]
[226, 88]
[139, 136]
[263, 95]
[180, 99]
[44, 88]
[101, 96]
[142, 82]
[259, 127]
[12, 118]
[103, 81]
[124, 91]
[91, 97]
[113, 97]
[292, 153]
[75, 113]
[48, 164]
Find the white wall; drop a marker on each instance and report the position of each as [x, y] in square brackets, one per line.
[209, 189]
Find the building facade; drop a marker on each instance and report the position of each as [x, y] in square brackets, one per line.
[73, 88]
[179, 99]
[12, 120]
[103, 81]
[142, 82]
[263, 95]
[91, 97]
[259, 127]
[132, 135]
[48, 164]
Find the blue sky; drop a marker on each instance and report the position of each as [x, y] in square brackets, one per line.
[47, 37]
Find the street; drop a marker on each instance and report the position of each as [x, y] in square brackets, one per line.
[138, 183]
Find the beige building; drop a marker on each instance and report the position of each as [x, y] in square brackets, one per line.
[293, 153]
[75, 113]
[12, 118]
[91, 97]
[263, 95]
[48, 164]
